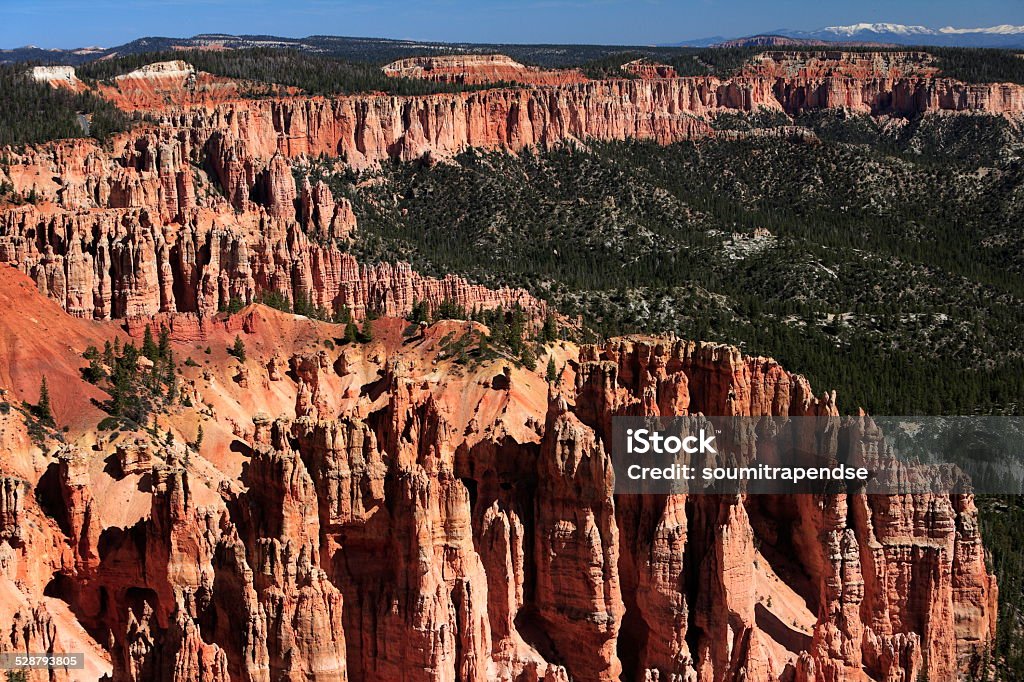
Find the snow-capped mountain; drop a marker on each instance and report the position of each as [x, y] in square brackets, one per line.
[1001, 29]
[896, 29]
[1004, 35]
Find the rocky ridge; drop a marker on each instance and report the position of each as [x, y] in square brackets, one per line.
[364, 130]
[839, 64]
[478, 69]
[57, 76]
[203, 208]
[176, 82]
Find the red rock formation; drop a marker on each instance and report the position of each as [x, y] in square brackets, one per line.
[367, 129]
[422, 524]
[145, 250]
[322, 216]
[277, 188]
[37, 559]
[577, 548]
[647, 69]
[126, 269]
[861, 553]
[476, 69]
[175, 82]
[837, 64]
[163, 244]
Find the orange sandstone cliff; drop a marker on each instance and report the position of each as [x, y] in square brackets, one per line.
[176, 83]
[378, 512]
[368, 129]
[202, 208]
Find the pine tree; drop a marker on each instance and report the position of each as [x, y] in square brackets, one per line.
[366, 334]
[43, 409]
[549, 332]
[164, 345]
[304, 306]
[516, 329]
[149, 347]
[419, 312]
[351, 332]
[528, 357]
[94, 372]
[496, 321]
[238, 349]
[552, 374]
[449, 310]
[171, 377]
[199, 438]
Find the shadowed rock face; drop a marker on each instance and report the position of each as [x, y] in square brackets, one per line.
[380, 512]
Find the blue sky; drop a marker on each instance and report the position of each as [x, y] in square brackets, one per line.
[73, 23]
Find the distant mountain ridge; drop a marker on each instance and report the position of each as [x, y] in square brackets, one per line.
[356, 49]
[384, 50]
[1004, 35]
[877, 34]
[770, 40]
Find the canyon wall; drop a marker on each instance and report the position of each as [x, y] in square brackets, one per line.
[141, 231]
[367, 129]
[123, 264]
[857, 553]
[451, 529]
[836, 63]
[203, 208]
